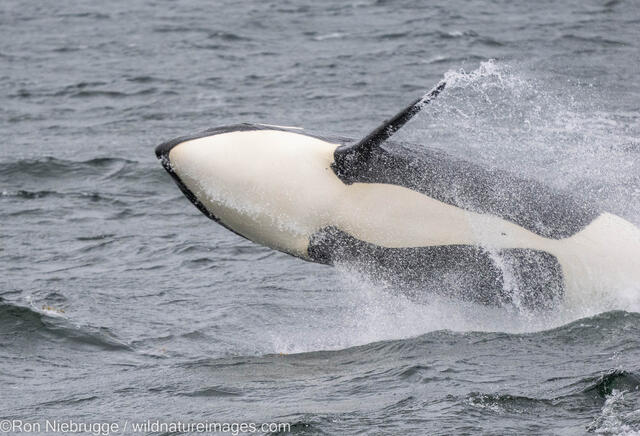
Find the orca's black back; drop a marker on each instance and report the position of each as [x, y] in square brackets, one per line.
[527, 203]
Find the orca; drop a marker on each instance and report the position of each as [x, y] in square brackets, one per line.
[405, 215]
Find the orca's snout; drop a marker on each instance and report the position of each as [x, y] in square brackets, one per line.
[162, 150]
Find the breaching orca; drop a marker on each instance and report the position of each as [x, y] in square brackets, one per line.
[404, 216]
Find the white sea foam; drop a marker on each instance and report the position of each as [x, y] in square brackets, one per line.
[614, 419]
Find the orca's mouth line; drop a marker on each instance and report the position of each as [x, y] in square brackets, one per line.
[163, 156]
[186, 191]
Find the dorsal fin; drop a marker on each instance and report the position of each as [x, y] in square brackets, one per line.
[360, 152]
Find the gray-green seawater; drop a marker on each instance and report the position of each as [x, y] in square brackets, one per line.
[120, 302]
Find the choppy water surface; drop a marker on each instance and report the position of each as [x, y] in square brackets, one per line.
[119, 300]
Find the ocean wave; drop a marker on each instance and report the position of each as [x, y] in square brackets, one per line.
[23, 325]
[506, 403]
[52, 169]
[80, 89]
[595, 40]
[605, 384]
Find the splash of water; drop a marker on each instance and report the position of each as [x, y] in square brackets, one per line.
[567, 135]
[616, 416]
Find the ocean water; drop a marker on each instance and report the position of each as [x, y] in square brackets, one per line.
[120, 302]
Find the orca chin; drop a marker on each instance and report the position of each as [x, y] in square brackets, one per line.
[163, 154]
[404, 217]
